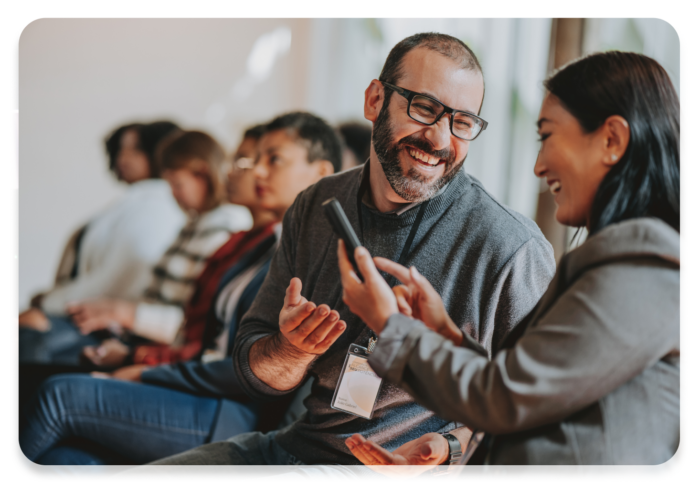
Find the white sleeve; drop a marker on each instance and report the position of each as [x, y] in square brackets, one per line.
[158, 322]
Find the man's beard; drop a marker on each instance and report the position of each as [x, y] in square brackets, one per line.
[414, 187]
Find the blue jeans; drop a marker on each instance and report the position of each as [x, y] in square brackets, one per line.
[139, 422]
[250, 456]
[61, 344]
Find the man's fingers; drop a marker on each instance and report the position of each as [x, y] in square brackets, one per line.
[378, 453]
[331, 337]
[290, 320]
[321, 332]
[400, 272]
[308, 326]
[292, 296]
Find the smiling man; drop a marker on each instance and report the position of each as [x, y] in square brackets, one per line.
[411, 202]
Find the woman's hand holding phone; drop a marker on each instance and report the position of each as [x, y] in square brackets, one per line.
[418, 299]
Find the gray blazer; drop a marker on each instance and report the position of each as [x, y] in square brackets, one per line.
[592, 376]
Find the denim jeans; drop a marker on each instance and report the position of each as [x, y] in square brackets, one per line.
[61, 344]
[139, 422]
[250, 456]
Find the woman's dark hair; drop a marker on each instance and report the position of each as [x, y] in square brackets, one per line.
[314, 134]
[149, 136]
[645, 182]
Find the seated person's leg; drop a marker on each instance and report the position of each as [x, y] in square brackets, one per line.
[244, 457]
[78, 451]
[138, 421]
[62, 343]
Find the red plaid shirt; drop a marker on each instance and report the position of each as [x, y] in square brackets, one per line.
[205, 289]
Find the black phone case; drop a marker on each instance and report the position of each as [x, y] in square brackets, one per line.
[341, 226]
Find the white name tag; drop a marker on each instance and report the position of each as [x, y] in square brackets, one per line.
[358, 386]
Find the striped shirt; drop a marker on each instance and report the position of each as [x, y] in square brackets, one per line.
[160, 313]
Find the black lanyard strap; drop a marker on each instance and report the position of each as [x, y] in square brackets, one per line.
[403, 257]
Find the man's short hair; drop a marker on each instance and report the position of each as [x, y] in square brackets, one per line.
[446, 45]
[314, 134]
[255, 132]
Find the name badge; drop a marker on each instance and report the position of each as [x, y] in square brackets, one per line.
[358, 386]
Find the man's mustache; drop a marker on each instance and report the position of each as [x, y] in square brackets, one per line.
[425, 146]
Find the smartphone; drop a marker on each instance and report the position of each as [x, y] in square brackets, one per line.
[341, 226]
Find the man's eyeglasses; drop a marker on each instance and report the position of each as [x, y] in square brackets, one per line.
[428, 111]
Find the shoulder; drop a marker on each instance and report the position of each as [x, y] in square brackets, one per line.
[499, 227]
[634, 239]
[342, 185]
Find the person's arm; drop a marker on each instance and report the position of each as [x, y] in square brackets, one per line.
[213, 379]
[137, 242]
[282, 333]
[603, 331]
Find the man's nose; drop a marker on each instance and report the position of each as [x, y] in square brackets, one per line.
[439, 134]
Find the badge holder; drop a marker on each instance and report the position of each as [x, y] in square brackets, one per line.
[358, 387]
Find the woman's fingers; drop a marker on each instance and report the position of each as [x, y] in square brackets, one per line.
[378, 453]
[403, 299]
[400, 272]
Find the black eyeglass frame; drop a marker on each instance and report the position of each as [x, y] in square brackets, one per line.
[409, 95]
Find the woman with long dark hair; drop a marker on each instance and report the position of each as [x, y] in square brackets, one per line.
[592, 375]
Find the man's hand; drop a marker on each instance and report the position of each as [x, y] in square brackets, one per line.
[418, 299]
[308, 328]
[372, 300]
[93, 315]
[423, 453]
[111, 353]
[128, 373]
[306, 331]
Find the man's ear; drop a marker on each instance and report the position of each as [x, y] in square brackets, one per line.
[374, 98]
[324, 167]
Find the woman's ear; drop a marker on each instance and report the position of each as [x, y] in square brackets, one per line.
[616, 134]
[374, 98]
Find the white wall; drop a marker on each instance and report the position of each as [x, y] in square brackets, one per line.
[80, 79]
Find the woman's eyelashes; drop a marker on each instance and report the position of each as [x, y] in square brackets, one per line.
[544, 136]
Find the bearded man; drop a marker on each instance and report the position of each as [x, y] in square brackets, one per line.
[413, 203]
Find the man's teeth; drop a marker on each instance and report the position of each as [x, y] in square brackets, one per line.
[423, 156]
[555, 187]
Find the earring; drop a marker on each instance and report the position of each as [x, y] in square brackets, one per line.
[614, 158]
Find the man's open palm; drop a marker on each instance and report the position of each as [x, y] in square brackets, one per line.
[424, 453]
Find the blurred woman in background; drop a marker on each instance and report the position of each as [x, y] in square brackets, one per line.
[592, 375]
[113, 255]
[192, 163]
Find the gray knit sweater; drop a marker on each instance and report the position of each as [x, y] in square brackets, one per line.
[489, 264]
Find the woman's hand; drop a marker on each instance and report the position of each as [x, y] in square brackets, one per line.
[111, 353]
[418, 299]
[422, 454]
[372, 300]
[93, 315]
[128, 373]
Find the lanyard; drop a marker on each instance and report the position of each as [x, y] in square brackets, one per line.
[403, 257]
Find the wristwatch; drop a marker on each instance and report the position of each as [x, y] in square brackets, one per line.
[453, 457]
